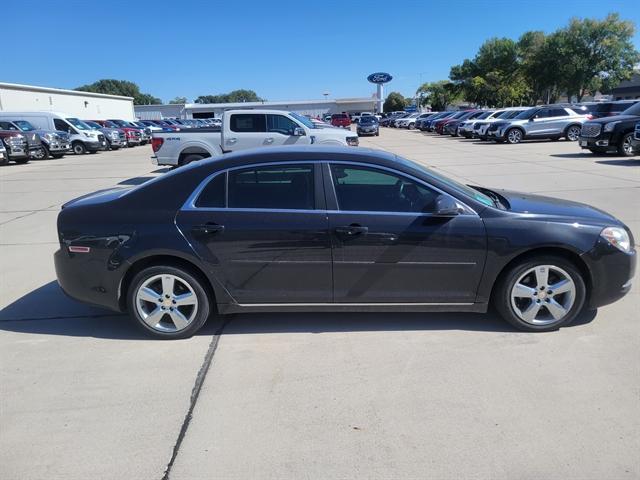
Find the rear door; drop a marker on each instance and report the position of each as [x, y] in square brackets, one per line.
[390, 248]
[263, 232]
[539, 125]
[243, 131]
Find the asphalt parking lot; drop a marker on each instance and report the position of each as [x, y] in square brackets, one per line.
[315, 396]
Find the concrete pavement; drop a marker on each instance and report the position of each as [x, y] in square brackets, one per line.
[84, 395]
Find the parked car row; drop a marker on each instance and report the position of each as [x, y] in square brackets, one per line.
[600, 127]
[41, 135]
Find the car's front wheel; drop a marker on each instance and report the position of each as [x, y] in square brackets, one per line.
[168, 302]
[79, 148]
[514, 136]
[541, 294]
[625, 148]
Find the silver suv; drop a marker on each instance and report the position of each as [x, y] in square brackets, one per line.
[550, 121]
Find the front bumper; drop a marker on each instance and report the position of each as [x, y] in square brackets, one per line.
[94, 145]
[601, 142]
[57, 147]
[611, 273]
[367, 131]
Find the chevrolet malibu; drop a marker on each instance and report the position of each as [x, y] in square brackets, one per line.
[333, 229]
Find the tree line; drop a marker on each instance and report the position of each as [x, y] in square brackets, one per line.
[129, 89]
[586, 56]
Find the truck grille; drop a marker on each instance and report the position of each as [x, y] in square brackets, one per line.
[591, 129]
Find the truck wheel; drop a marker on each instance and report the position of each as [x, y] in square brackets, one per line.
[194, 157]
[41, 154]
[79, 148]
[625, 148]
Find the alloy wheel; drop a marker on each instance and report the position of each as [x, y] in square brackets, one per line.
[514, 136]
[543, 295]
[573, 133]
[626, 145]
[166, 303]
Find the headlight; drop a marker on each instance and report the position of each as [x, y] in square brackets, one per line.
[352, 141]
[115, 135]
[50, 137]
[618, 237]
[608, 127]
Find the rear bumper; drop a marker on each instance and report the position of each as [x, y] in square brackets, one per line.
[612, 272]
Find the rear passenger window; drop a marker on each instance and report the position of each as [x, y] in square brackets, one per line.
[214, 194]
[287, 187]
[247, 123]
[558, 112]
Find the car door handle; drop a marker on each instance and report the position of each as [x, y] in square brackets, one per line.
[352, 231]
[208, 228]
[232, 140]
[268, 140]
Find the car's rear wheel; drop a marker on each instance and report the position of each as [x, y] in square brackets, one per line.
[573, 133]
[626, 148]
[412, 126]
[194, 157]
[514, 136]
[168, 302]
[540, 294]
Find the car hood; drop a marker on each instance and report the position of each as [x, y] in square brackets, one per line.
[616, 118]
[556, 207]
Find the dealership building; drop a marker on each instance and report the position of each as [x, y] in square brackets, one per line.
[314, 108]
[84, 105]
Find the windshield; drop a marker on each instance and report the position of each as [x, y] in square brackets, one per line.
[459, 187]
[368, 120]
[303, 120]
[526, 114]
[484, 115]
[635, 110]
[94, 125]
[24, 126]
[79, 124]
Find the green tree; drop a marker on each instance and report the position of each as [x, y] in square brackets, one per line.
[124, 88]
[438, 94]
[235, 96]
[179, 100]
[394, 102]
[595, 54]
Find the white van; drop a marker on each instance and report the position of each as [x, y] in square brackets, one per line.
[83, 138]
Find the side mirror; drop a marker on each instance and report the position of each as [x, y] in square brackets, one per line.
[446, 206]
[299, 132]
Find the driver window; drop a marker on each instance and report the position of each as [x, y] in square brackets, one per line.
[371, 190]
[281, 124]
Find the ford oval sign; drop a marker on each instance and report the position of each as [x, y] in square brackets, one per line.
[379, 77]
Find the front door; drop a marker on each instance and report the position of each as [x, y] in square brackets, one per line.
[390, 248]
[264, 233]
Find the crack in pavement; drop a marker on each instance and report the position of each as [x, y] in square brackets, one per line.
[195, 393]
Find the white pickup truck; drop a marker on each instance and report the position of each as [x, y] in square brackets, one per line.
[243, 129]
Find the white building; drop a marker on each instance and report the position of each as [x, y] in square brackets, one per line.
[314, 108]
[84, 105]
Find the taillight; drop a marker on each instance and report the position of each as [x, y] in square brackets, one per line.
[156, 143]
[590, 116]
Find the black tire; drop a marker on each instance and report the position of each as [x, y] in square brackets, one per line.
[40, 154]
[625, 149]
[47, 154]
[502, 292]
[115, 147]
[22, 161]
[513, 136]
[572, 133]
[201, 314]
[411, 126]
[4, 160]
[377, 134]
[78, 148]
[193, 157]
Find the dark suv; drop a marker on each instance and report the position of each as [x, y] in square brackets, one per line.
[608, 109]
[611, 134]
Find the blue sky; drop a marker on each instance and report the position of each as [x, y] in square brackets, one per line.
[284, 50]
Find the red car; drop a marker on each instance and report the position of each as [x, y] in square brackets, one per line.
[439, 125]
[341, 120]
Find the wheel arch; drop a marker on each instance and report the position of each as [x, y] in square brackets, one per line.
[565, 253]
[566, 129]
[163, 259]
[193, 150]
